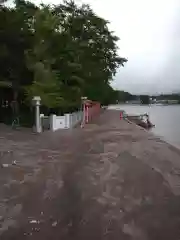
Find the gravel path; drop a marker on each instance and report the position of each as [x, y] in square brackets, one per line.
[110, 180]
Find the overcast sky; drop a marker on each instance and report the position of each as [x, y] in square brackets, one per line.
[150, 38]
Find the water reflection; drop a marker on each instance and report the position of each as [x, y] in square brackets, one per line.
[166, 119]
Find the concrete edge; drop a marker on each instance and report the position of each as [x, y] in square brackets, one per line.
[172, 146]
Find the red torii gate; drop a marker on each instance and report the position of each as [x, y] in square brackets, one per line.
[90, 110]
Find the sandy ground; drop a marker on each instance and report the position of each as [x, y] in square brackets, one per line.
[110, 180]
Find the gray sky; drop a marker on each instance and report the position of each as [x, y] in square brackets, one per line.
[150, 39]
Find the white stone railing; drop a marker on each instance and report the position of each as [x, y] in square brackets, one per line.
[61, 122]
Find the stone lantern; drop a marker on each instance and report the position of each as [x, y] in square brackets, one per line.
[36, 101]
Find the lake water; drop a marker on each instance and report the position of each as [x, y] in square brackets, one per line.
[165, 118]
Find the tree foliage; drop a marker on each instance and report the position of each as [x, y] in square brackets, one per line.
[144, 99]
[59, 52]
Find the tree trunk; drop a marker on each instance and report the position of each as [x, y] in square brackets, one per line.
[15, 105]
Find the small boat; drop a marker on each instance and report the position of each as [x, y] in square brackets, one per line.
[145, 122]
[142, 120]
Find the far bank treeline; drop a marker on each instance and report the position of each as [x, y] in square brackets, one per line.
[59, 52]
[122, 97]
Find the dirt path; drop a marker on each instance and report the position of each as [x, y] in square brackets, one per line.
[111, 180]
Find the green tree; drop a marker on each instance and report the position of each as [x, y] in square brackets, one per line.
[144, 99]
[15, 38]
[59, 52]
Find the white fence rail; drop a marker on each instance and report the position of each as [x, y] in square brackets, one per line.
[54, 122]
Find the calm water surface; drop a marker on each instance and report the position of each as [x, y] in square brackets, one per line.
[165, 118]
